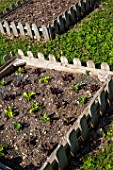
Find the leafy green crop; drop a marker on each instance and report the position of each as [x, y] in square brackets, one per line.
[20, 70]
[82, 100]
[35, 107]
[9, 112]
[45, 117]
[18, 126]
[2, 148]
[2, 83]
[45, 79]
[29, 95]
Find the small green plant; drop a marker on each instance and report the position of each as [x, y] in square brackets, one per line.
[76, 87]
[3, 83]
[20, 70]
[82, 100]
[2, 148]
[29, 95]
[87, 72]
[45, 79]
[9, 112]
[35, 107]
[18, 126]
[45, 117]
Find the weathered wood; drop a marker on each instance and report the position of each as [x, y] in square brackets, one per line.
[21, 28]
[45, 32]
[8, 31]
[15, 32]
[36, 31]
[1, 28]
[29, 31]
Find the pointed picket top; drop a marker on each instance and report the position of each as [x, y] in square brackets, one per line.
[40, 56]
[90, 64]
[20, 52]
[14, 28]
[77, 62]
[105, 66]
[30, 54]
[64, 60]
[52, 58]
[21, 28]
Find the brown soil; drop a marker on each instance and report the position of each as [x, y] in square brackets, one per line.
[29, 147]
[41, 12]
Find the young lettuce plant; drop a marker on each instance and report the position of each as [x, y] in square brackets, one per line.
[45, 117]
[45, 79]
[2, 148]
[20, 70]
[9, 112]
[29, 95]
[17, 126]
[76, 87]
[82, 100]
[35, 107]
[2, 83]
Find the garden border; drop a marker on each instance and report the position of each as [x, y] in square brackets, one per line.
[88, 119]
[59, 26]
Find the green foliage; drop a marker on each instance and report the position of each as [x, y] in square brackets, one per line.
[35, 107]
[102, 160]
[45, 117]
[87, 72]
[45, 79]
[82, 100]
[29, 95]
[9, 112]
[18, 126]
[2, 148]
[76, 87]
[20, 70]
[2, 83]
[6, 3]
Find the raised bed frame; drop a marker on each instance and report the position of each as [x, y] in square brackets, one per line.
[59, 26]
[88, 119]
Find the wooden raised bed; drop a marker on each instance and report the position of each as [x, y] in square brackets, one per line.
[89, 116]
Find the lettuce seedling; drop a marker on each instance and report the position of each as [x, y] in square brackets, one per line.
[29, 95]
[45, 117]
[17, 126]
[45, 79]
[2, 148]
[9, 112]
[76, 87]
[20, 70]
[2, 83]
[35, 107]
[87, 72]
[82, 100]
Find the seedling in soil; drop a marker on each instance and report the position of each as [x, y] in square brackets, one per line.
[45, 117]
[82, 100]
[29, 95]
[2, 83]
[35, 107]
[45, 79]
[9, 112]
[20, 70]
[87, 72]
[18, 126]
[2, 148]
[76, 87]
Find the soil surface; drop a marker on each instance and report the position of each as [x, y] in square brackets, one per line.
[41, 12]
[29, 146]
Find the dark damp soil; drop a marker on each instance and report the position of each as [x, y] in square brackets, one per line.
[32, 139]
[41, 12]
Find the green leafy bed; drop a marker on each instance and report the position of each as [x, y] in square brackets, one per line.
[6, 3]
